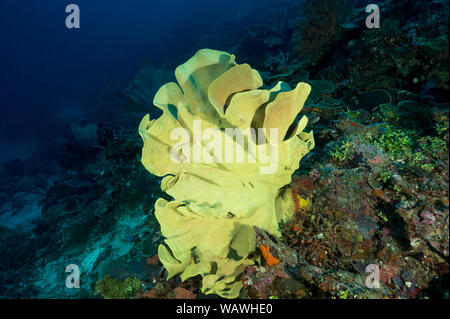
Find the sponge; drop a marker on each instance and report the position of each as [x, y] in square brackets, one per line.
[226, 149]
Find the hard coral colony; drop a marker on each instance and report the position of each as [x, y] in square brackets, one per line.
[209, 224]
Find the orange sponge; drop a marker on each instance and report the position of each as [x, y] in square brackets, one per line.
[270, 260]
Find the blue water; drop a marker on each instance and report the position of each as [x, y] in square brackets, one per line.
[46, 67]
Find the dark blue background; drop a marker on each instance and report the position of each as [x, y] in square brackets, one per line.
[45, 66]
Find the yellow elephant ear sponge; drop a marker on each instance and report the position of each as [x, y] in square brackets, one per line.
[226, 149]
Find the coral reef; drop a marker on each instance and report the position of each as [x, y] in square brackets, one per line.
[111, 288]
[374, 191]
[319, 28]
[144, 86]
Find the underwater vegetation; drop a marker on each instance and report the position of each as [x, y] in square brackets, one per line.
[319, 29]
[111, 288]
[205, 224]
[371, 187]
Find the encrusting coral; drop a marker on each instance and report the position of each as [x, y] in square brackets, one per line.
[219, 196]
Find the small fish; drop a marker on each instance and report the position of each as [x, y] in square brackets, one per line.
[351, 123]
[315, 119]
[309, 154]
